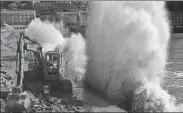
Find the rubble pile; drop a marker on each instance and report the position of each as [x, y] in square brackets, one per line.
[52, 104]
[39, 103]
[6, 84]
[6, 81]
[9, 39]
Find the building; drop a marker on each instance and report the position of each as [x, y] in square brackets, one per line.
[74, 17]
[69, 17]
[46, 13]
[47, 8]
[18, 19]
[52, 7]
[176, 12]
[177, 19]
[16, 4]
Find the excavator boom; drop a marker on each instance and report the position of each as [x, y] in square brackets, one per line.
[26, 48]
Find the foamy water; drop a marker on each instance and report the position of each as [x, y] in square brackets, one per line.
[127, 45]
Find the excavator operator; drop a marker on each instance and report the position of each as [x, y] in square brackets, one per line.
[52, 65]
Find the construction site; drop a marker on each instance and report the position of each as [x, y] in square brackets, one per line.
[111, 61]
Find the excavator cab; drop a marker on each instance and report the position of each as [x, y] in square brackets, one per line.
[55, 71]
[51, 67]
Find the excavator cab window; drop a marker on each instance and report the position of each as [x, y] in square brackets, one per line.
[52, 64]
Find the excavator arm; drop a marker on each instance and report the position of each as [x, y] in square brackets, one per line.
[25, 45]
[20, 61]
[19, 100]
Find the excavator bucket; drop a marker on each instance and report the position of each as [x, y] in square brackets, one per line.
[17, 102]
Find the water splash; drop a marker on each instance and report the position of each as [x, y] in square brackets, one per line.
[127, 46]
[45, 33]
[76, 57]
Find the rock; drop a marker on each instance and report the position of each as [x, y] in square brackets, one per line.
[8, 77]
[39, 96]
[42, 101]
[52, 99]
[1, 65]
[58, 101]
[36, 106]
[64, 102]
[78, 108]
[61, 107]
[32, 97]
[2, 85]
[3, 71]
[5, 76]
[57, 109]
[44, 106]
[2, 110]
[73, 108]
[37, 101]
[3, 104]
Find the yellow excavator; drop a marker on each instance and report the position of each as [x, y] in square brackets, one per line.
[33, 67]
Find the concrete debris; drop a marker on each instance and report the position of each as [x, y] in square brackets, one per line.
[5, 84]
[31, 96]
[3, 104]
[58, 101]
[6, 76]
[1, 65]
[3, 71]
[57, 109]
[52, 99]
